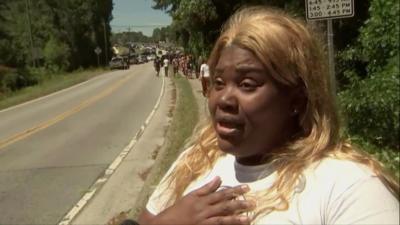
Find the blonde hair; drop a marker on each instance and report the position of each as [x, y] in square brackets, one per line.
[295, 59]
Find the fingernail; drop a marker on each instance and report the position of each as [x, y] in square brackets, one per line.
[245, 187]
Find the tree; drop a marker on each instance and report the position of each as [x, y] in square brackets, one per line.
[124, 38]
[370, 77]
[56, 54]
[78, 25]
[196, 24]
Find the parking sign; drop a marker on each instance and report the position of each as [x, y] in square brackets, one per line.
[329, 9]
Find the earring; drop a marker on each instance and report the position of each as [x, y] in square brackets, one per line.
[295, 112]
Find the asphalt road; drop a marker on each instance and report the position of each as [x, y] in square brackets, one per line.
[53, 149]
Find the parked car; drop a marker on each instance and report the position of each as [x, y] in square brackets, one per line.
[118, 63]
[151, 57]
[141, 59]
[133, 60]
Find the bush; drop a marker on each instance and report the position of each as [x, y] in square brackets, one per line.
[369, 78]
[56, 54]
[379, 37]
[372, 106]
[12, 80]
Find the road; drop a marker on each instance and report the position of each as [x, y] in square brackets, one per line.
[53, 149]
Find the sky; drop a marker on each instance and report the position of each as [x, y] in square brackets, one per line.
[137, 15]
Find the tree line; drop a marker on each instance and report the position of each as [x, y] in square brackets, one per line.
[123, 38]
[366, 55]
[159, 34]
[60, 34]
[51, 35]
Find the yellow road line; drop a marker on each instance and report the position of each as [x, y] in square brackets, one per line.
[84, 104]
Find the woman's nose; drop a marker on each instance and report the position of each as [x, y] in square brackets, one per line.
[228, 100]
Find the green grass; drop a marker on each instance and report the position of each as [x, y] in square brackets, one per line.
[47, 86]
[185, 119]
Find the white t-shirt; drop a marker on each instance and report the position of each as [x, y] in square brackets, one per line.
[332, 192]
[166, 62]
[204, 70]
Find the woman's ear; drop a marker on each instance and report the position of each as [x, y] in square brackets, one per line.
[298, 100]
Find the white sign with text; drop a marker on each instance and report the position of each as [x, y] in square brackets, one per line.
[329, 9]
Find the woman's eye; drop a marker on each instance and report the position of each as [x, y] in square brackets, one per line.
[248, 85]
[218, 83]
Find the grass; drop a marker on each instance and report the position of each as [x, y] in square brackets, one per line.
[47, 86]
[185, 118]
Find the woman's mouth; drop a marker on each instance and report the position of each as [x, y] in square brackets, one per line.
[228, 128]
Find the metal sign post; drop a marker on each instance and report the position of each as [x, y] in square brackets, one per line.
[328, 10]
[331, 55]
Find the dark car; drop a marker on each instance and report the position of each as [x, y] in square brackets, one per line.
[118, 63]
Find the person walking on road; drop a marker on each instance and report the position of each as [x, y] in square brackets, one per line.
[204, 77]
[175, 65]
[166, 65]
[157, 65]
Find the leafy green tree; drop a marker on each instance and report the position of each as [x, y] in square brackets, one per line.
[56, 54]
[124, 38]
[196, 24]
[156, 34]
[80, 24]
[370, 77]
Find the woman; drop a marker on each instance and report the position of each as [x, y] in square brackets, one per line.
[272, 153]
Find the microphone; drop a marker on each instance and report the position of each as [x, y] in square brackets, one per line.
[129, 222]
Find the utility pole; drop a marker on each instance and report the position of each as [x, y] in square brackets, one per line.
[30, 32]
[105, 41]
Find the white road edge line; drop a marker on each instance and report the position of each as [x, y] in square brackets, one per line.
[111, 168]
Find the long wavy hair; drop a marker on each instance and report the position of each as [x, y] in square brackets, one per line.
[294, 57]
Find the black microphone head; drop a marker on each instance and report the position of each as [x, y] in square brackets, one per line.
[129, 222]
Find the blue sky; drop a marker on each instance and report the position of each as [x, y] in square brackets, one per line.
[138, 16]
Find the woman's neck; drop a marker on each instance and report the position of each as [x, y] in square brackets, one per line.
[254, 160]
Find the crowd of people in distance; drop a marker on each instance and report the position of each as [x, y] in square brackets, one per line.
[187, 65]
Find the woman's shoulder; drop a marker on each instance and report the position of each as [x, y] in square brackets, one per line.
[350, 191]
[332, 167]
[336, 178]
[338, 174]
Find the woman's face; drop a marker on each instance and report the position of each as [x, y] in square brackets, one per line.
[251, 115]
